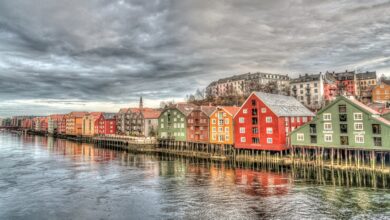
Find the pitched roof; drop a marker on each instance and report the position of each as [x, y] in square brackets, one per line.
[361, 105]
[151, 113]
[307, 78]
[56, 117]
[185, 108]
[366, 75]
[208, 110]
[283, 105]
[77, 114]
[123, 110]
[231, 109]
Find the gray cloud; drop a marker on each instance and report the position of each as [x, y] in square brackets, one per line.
[112, 51]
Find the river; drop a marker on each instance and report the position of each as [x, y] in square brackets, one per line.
[46, 178]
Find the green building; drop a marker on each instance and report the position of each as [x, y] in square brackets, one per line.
[172, 123]
[344, 123]
[386, 116]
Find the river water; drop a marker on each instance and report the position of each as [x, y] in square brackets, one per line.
[46, 178]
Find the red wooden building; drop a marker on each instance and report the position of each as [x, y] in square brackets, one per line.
[105, 124]
[198, 124]
[346, 83]
[265, 120]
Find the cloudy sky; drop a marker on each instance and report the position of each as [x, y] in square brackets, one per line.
[57, 56]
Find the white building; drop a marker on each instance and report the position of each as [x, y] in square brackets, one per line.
[309, 90]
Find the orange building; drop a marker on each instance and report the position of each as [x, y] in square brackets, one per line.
[381, 92]
[221, 125]
[74, 123]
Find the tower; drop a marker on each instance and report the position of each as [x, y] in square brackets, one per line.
[141, 104]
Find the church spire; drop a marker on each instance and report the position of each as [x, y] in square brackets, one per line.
[141, 104]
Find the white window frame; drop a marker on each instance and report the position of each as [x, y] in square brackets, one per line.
[300, 136]
[357, 139]
[269, 130]
[327, 136]
[330, 127]
[355, 126]
[242, 130]
[355, 116]
[243, 139]
[327, 118]
[268, 119]
[227, 121]
[263, 110]
[241, 120]
[214, 121]
[269, 140]
[227, 129]
[245, 111]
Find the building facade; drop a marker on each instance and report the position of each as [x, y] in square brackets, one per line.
[198, 124]
[245, 83]
[172, 122]
[309, 90]
[222, 125]
[53, 123]
[89, 122]
[265, 120]
[105, 124]
[74, 123]
[381, 92]
[344, 123]
[365, 83]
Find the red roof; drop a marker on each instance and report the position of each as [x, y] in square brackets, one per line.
[231, 109]
[149, 113]
[57, 117]
[77, 114]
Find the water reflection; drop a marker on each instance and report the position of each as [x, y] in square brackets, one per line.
[80, 181]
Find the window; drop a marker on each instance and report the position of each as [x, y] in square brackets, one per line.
[220, 115]
[343, 128]
[313, 129]
[328, 138]
[245, 111]
[298, 119]
[214, 121]
[227, 129]
[268, 119]
[342, 108]
[254, 121]
[263, 110]
[214, 137]
[227, 121]
[214, 129]
[377, 141]
[358, 126]
[292, 119]
[162, 126]
[255, 140]
[226, 137]
[241, 120]
[269, 131]
[304, 119]
[327, 117]
[242, 130]
[327, 126]
[173, 119]
[220, 122]
[300, 136]
[220, 129]
[243, 139]
[359, 139]
[255, 130]
[358, 116]
[313, 139]
[343, 117]
[254, 111]
[253, 102]
[344, 140]
[269, 140]
[376, 129]
[220, 138]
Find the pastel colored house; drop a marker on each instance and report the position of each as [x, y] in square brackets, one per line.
[150, 119]
[265, 120]
[61, 127]
[172, 123]
[381, 92]
[221, 125]
[89, 120]
[105, 124]
[198, 124]
[123, 121]
[345, 123]
[54, 122]
[74, 123]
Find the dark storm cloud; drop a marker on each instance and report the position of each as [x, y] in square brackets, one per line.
[112, 51]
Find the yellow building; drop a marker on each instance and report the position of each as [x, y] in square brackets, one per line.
[74, 123]
[88, 126]
[221, 125]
